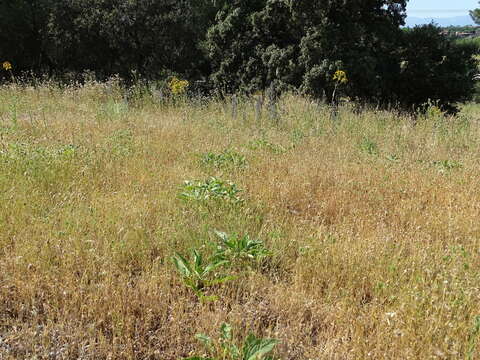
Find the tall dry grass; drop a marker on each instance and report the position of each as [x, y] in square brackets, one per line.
[372, 219]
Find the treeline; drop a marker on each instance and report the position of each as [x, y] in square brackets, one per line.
[243, 46]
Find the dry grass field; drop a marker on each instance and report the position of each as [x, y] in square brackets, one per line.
[369, 221]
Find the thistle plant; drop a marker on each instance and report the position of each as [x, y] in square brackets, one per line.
[225, 159]
[211, 189]
[199, 274]
[253, 348]
[240, 248]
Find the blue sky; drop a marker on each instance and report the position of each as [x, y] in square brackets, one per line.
[440, 8]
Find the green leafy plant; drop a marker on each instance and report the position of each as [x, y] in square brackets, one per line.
[393, 158]
[211, 189]
[199, 274]
[225, 159]
[369, 146]
[234, 247]
[253, 348]
[447, 165]
[264, 144]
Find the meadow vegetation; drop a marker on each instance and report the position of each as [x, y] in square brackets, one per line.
[129, 225]
[227, 47]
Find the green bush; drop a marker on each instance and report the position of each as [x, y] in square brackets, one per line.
[301, 45]
[434, 68]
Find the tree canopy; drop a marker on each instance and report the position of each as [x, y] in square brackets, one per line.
[475, 15]
[243, 45]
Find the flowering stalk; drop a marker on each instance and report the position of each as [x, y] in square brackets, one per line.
[340, 78]
[7, 66]
[177, 86]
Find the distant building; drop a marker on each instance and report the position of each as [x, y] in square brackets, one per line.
[465, 34]
[461, 33]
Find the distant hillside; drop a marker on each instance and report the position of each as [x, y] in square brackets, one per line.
[443, 22]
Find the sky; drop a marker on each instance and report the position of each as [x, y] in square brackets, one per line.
[440, 8]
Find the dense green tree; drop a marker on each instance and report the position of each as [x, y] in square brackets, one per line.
[475, 15]
[359, 36]
[434, 68]
[23, 36]
[80, 36]
[255, 44]
[233, 47]
[147, 36]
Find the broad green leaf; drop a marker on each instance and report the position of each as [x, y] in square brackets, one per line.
[213, 265]
[254, 349]
[197, 258]
[182, 265]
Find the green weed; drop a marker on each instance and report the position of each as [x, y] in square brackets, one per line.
[262, 144]
[368, 146]
[211, 189]
[393, 158]
[36, 161]
[240, 248]
[444, 166]
[253, 348]
[199, 274]
[223, 160]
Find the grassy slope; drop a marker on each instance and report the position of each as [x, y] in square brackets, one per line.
[373, 224]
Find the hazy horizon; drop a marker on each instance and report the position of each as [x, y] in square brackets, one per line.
[440, 8]
[423, 11]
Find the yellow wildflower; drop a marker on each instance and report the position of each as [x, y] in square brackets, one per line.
[7, 66]
[177, 86]
[340, 77]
